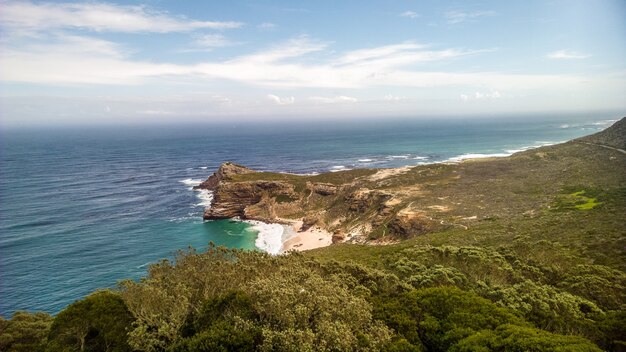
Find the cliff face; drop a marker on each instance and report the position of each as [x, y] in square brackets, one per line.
[225, 172]
[248, 200]
[392, 204]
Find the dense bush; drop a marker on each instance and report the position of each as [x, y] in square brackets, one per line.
[419, 298]
[24, 332]
[277, 303]
[100, 322]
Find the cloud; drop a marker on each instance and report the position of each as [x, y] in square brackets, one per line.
[266, 25]
[295, 47]
[567, 55]
[334, 100]
[281, 101]
[298, 63]
[208, 41]
[390, 97]
[410, 14]
[481, 96]
[454, 17]
[99, 17]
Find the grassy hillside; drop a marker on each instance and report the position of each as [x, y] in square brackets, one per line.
[524, 253]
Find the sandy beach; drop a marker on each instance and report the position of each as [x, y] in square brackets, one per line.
[314, 237]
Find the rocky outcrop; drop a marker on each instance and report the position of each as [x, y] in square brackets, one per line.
[225, 172]
[250, 199]
[407, 224]
[308, 222]
[363, 199]
[323, 189]
[338, 237]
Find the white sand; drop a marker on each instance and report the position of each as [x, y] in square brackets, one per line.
[315, 237]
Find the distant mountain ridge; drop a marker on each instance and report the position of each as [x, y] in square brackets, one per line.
[614, 136]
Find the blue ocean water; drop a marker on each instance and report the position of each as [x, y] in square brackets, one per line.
[81, 209]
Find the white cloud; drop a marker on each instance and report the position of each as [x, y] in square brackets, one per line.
[567, 55]
[281, 101]
[298, 63]
[266, 25]
[391, 97]
[333, 100]
[397, 55]
[410, 14]
[99, 17]
[213, 41]
[481, 96]
[295, 47]
[454, 17]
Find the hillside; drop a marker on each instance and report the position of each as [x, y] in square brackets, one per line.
[612, 137]
[523, 253]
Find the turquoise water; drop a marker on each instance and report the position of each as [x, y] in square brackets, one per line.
[81, 209]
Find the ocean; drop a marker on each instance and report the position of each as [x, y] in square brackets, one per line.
[81, 208]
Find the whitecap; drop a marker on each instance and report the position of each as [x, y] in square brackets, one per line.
[537, 145]
[338, 168]
[366, 160]
[190, 182]
[204, 167]
[205, 196]
[420, 158]
[477, 156]
[270, 236]
[404, 156]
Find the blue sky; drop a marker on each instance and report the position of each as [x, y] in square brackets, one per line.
[199, 61]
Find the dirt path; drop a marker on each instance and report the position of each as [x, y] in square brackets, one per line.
[604, 146]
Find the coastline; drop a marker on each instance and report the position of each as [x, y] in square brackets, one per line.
[279, 238]
[313, 237]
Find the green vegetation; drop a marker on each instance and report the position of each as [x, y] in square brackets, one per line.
[24, 332]
[434, 298]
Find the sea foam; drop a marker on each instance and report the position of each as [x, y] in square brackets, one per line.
[477, 156]
[270, 237]
[205, 196]
[190, 182]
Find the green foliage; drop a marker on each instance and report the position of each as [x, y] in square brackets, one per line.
[520, 338]
[580, 200]
[612, 331]
[448, 319]
[24, 332]
[218, 337]
[548, 307]
[282, 303]
[439, 317]
[98, 322]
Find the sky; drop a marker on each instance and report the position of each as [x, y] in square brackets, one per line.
[159, 61]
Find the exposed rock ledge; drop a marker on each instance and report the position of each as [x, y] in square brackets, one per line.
[225, 172]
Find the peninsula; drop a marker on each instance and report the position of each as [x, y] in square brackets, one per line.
[379, 206]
